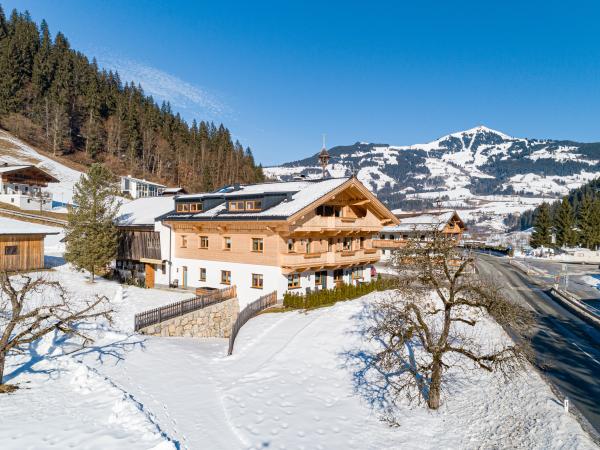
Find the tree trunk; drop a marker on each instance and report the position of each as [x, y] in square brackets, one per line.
[435, 384]
[2, 361]
[92, 272]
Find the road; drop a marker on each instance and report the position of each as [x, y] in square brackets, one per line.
[576, 272]
[566, 348]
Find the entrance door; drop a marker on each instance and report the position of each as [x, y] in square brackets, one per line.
[184, 281]
[149, 275]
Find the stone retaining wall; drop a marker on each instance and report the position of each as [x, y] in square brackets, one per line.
[212, 321]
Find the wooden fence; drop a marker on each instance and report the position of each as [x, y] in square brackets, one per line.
[157, 315]
[248, 312]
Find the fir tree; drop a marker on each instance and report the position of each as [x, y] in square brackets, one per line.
[565, 222]
[90, 234]
[542, 228]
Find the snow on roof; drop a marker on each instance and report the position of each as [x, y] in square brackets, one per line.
[4, 169]
[141, 180]
[11, 226]
[422, 222]
[303, 194]
[143, 211]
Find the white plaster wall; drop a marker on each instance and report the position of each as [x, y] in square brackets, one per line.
[241, 277]
[165, 243]
[20, 201]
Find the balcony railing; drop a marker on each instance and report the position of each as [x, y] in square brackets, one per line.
[388, 243]
[294, 261]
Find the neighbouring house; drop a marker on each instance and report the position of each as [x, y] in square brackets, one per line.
[22, 186]
[281, 236]
[139, 254]
[22, 246]
[137, 188]
[173, 191]
[420, 226]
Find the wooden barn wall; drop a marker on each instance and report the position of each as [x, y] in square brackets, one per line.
[135, 245]
[30, 254]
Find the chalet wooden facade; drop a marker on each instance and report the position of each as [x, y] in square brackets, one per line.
[22, 186]
[274, 236]
[421, 227]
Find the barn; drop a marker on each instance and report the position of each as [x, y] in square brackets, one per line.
[22, 247]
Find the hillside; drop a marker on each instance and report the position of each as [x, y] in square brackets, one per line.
[54, 98]
[459, 166]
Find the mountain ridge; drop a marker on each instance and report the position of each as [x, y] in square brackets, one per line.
[459, 165]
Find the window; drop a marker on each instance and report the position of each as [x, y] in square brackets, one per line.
[328, 211]
[293, 281]
[257, 245]
[225, 277]
[257, 281]
[202, 274]
[203, 242]
[183, 207]
[184, 241]
[321, 278]
[291, 245]
[357, 273]
[361, 242]
[253, 205]
[227, 243]
[195, 207]
[163, 268]
[11, 250]
[347, 244]
[308, 245]
[236, 206]
[329, 245]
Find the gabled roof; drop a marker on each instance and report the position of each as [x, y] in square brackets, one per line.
[143, 211]
[12, 227]
[6, 169]
[294, 198]
[424, 222]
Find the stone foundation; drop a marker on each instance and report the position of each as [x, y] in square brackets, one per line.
[212, 321]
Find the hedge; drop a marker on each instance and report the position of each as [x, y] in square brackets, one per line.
[324, 297]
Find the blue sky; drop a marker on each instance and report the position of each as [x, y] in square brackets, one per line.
[280, 74]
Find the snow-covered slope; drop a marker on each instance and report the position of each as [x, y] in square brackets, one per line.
[479, 161]
[15, 151]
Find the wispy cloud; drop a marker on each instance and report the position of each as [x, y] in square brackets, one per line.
[189, 100]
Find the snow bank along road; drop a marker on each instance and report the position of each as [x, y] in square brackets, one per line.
[285, 387]
[566, 347]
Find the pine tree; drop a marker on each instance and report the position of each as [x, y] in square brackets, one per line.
[90, 234]
[542, 228]
[585, 222]
[566, 236]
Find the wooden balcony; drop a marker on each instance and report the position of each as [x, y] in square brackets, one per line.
[299, 262]
[388, 243]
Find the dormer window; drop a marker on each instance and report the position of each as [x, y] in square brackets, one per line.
[245, 205]
[189, 207]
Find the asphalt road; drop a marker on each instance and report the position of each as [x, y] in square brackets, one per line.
[566, 348]
[576, 284]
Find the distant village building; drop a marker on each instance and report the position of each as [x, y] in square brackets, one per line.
[138, 188]
[22, 247]
[285, 236]
[420, 226]
[22, 186]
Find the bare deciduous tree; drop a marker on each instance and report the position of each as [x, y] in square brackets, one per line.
[429, 324]
[31, 307]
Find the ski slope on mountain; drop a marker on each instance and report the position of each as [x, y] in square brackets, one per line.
[15, 151]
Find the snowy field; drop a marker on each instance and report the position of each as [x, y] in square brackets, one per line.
[286, 386]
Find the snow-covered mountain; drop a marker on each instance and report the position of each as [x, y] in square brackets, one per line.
[475, 162]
